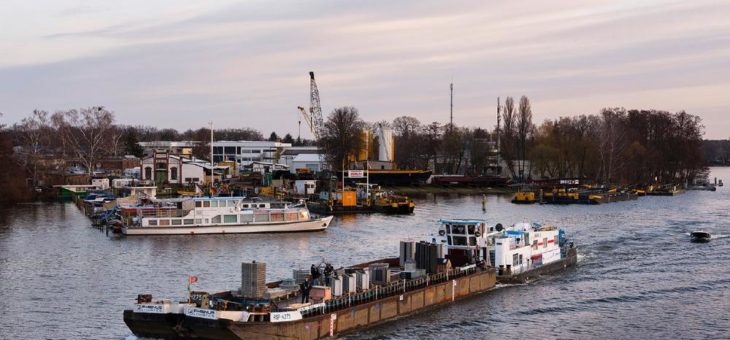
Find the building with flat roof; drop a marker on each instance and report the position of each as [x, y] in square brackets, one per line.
[246, 152]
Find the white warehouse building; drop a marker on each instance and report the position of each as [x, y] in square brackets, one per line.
[246, 152]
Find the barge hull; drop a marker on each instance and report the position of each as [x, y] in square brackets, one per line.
[149, 325]
[570, 260]
[348, 319]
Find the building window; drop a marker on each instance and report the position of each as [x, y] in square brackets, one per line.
[161, 165]
[230, 150]
[217, 149]
[173, 173]
[147, 172]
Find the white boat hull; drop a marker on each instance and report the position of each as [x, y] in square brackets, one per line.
[317, 224]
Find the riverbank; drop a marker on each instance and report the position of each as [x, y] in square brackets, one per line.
[428, 189]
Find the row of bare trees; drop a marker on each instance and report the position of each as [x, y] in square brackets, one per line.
[620, 146]
[88, 135]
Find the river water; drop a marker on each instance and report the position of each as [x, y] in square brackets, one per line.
[638, 276]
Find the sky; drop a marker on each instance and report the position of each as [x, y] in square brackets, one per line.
[183, 63]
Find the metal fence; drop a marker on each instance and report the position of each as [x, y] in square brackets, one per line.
[392, 289]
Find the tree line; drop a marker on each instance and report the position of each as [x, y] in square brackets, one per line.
[616, 146]
[87, 135]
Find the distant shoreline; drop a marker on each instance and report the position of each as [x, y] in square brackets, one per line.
[429, 189]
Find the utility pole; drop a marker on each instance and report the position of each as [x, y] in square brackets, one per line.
[451, 125]
[499, 127]
[210, 190]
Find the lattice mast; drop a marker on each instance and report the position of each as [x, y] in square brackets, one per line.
[315, 108]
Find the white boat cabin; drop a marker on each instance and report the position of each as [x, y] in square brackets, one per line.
[520, 247]
[211, 211]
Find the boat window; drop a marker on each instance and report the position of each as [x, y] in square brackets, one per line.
[291, 216]
[534, 244]
[261, 218]
[177, 221]
[231, 203]
[206, 204]
[515, 258]
[471, 229]
[244, 206]
[459, 240]
[164, 222]
[198, 204]
[544, 242]
[262, 205]
[198, 221]
[188, 221]
[472, 240]
[520, 259]
[277, 217]
[555, 239]
[153, 222]
[246, 218]
[214, 204]
[230, 218]
[457, 229]
[448, 240]
[216, 219]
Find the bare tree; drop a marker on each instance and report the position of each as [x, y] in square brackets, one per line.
[341, 139]
[524, 133]
[86, 133]
[611, 142]
[408, 146]
[508, 135]
[33, 133]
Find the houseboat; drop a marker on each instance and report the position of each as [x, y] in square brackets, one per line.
[224, 215]
[453, 265]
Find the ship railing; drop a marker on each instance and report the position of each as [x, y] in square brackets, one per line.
[391, 289]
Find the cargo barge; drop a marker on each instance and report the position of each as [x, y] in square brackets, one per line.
[465, 258]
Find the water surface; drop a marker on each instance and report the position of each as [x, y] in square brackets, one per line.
[638, 277]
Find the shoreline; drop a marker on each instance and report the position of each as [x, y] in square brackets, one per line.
[428, 189]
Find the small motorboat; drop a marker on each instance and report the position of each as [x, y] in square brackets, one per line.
[700, 236]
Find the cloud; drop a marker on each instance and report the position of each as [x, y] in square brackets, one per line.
[246, 64]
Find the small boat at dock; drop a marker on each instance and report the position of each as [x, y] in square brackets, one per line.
[700, 236]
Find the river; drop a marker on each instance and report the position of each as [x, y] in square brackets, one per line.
[638, 275]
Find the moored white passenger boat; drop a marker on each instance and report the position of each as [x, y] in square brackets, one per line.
[226, 215]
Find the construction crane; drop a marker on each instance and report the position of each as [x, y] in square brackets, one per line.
[314, 116]
[308, 120]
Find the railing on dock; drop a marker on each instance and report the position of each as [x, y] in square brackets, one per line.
[391, 289]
